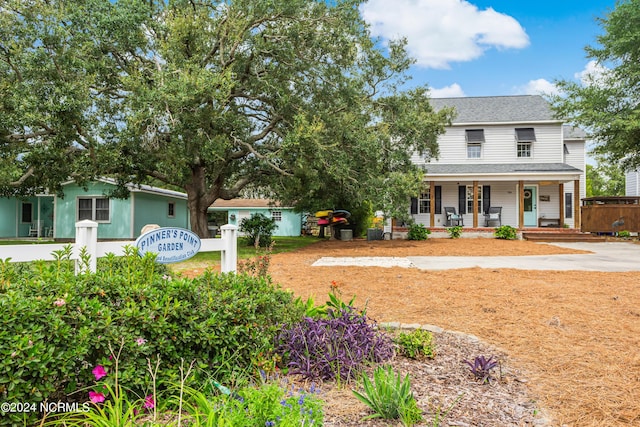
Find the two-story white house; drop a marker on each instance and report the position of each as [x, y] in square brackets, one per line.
[508, 153]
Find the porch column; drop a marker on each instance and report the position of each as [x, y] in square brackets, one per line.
[576, 204]
[475, 204]
[521, 204]
[432, 203]
[561, 207]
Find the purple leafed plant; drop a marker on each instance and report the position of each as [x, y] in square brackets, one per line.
[481, 368]
[333, 348]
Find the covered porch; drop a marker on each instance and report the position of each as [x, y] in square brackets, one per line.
[522, 196]
[25, 217]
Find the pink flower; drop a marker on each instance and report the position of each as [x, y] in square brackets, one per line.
[59, 302]
[99, 372]
[141, 341]
[96, 397]
[149, 403]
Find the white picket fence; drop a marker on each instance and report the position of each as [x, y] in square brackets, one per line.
[87, 236]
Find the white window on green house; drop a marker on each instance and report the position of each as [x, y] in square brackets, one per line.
[276, 215]
[424, 201]
[171, 210]
[93, 208]
[470, 199]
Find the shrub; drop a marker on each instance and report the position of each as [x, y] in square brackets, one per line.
[389, 396]
[54, 324]
[258, 230]
[506, 232]
[625, 234]
[334, 348]
[416, 344]
[455, 232]
[481, 368]
[418, 232]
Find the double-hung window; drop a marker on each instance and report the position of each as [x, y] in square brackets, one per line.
[470, 198]
[276, 215]
[475, 138]
[524, 139]
[424, 201]
[94, 209]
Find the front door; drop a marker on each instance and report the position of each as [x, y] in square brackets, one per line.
[530, 206]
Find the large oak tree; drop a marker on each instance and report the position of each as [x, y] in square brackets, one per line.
[288, 97]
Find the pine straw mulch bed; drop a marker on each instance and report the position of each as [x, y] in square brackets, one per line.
[569, 340]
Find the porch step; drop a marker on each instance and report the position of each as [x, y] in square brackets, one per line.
[562, 237]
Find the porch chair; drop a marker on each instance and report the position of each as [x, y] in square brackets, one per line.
[451, 216]
[493, 214]
[35, 228]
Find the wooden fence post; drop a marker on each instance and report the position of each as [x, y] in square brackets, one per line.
[229, 255]
[87, 237]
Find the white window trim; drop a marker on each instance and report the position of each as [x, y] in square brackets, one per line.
[276, 216]
[523, 143]
[474, 144]
[93, 208]
[469, 200]
[425, 192]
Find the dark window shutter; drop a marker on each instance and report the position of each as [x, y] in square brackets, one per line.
[525, 134]
[462, 199]
[438, 199]
[414, 206]
[568, 205]
[486, 198]
[475, 135]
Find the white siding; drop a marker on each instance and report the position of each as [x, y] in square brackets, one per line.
[632, 183]
[499, 145]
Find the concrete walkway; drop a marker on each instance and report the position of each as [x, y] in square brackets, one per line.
[606, 256]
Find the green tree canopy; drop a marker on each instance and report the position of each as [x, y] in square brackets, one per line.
[213, 97]
[608, 103]
[605, 179]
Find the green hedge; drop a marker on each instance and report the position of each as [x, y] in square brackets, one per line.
[55, 327]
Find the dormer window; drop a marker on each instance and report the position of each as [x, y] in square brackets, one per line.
[475, 138]
[524, 139]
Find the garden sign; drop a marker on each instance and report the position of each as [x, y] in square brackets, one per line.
[171, 244]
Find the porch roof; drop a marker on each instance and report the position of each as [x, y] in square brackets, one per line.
[502, 171]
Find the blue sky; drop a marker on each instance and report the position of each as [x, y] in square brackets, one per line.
[491, 47]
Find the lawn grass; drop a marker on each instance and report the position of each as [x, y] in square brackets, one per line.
[282, 244]
[27, 242]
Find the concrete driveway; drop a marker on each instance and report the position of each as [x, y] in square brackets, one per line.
[606, 256]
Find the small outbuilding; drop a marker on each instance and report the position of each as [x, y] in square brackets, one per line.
[289, 222]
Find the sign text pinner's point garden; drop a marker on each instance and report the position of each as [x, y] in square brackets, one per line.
[170, 244]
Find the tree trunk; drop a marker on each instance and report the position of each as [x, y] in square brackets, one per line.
[198, 202]
[198, 217]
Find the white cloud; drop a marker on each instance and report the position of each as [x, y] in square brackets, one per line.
[439, 32]
[451, 91]
[591, 74]
[538, 87]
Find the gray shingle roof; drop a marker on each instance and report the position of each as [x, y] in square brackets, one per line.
[498, 168]
[500, 109]
[571, 132]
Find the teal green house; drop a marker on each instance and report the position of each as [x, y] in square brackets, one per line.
[55, 217]
[288, 222]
